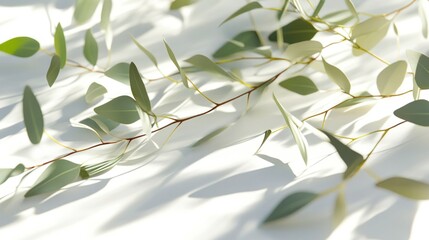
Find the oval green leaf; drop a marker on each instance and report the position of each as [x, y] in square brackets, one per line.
[406, 187]
[99, 124]
[94, 91]
[84, 9]
[204, 63]
[391, 78]
[303, 49]
[57, 175]
[105, 14]
[267, 134]
[369, 33]
[88, 171]
[33, 116]
[90, 48]
[416, 112]
[290, 205]
[121, 109]
[176, 4]
[246, 8]
[296, 31]
[423, 13]
[337, 76]
[119, 72]
[20, 46]
[299, 138]
[299, 84]
[244, 41]
[174, 60]
[53, 70]
[146, 52]
[60, 45]
[351, 158]
[422, 72]
[139, 90]
[5, 174]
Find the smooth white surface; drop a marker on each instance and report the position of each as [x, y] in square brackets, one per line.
[220, 189]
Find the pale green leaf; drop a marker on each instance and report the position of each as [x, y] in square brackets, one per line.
[369, 33]
[5, 174]
[84, 9]
[406, 187]
[423, 6]
[205, 64]
[318, 8]
[266, 136]
[57, 175]
[174, 60]
[296, 31]
[338, 17]
[94, 92]
[246, 8]
[176, 4]
[121, 109]
[337, 76]
[303, 49]
[299, 138]
[413, 60]
[20, 46]
[244, 41]
[90, 48]
[88, 171]
[416, 112]
[422, 72]
[290, 205]
[33, 116]
[352, 9]
[391, 78]
[99, 124]
[351, 158]
[105, 14]
[300, 84]
[60, 45]
[340, 208]
[352, 102]
[138, 90]
[283, 9]
[53, 70]
[119, 72]
[146, 52]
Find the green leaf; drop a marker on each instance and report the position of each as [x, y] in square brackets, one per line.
[20, 46]
[205, 64]
[416, 112]
[352, 102]
[146, 52]
[291, 204]
[391, 78]
[139, 90]
[352, 9]
[33, 116]
[5, 174]
[413, 60]
[244, 41]
[54, 70]
[90, 48]
[303, 49]
[406, 187]
[181, 3]
[369, 33]
[300, 84]
[337, 76]
[119, 72]
[318, 8]
[121, 109]
[266, 136]
[422, 72]
[94, 91]
[60, 45]
[340, 209]
[105, 14]
[246, 8]
[84, 9]
[89, 171]
[99, 124]
[338, 17]
[174, 60]
[57, 175]
[296, 133]
[296, 31]
[352, 159]
[424, 12]
[283, 9]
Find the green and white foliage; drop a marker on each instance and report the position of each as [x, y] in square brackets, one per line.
[297, 43]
